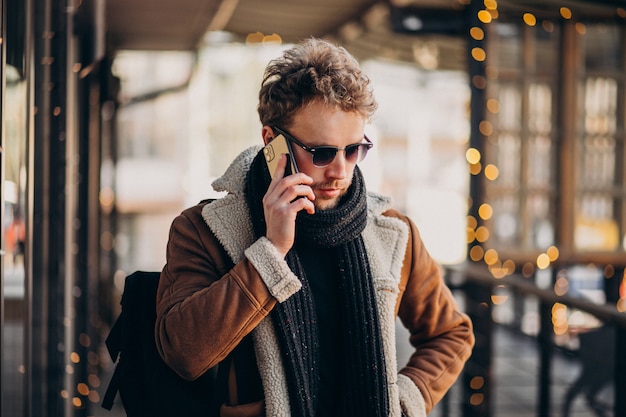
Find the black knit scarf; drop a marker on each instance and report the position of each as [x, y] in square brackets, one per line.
[364, 373]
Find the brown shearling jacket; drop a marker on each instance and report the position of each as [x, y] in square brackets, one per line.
[205, 305]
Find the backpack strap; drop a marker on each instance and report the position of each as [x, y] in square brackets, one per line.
[112, 389]
[113, 343]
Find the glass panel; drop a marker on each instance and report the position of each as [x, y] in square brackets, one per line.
[602, 47]
[523, 147]
[506, 220]
[508, 44]
[596, 227]
[547, 36]
[505, 153]
[539, 167]
[539, 144]
[508, 160]
[510, 101]
[541, 228]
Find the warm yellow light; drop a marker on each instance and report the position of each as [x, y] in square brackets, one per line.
[581, 29]
[476, 253]
[493, 105]
[553, 253]
[477, 399]
[485, 127]
[477, 382]
[256, 37]
[477, 33]
[491, 257]
[94, 397]
[478, 54]
[559, 312]
[497, 271]
[621, 305]
[484, 16]
[471, 222]
[84, 340]
[566, 13]
[491, 172]
[528, 269]
[273, 38]
[509, 266]
[82, 388]
[479, 82]
[471, 235]
[543, 261]
[474, 169]
[485, 211]
[561, 329]
[74, 357]
[77, 402]
[472, 155]
[94, 381]
[482, 234]
[561, 286]
[530, 19]
[491, 4]
[559, 318]
[499, 299]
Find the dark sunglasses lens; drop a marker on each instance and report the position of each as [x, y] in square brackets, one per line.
[324, 156]
[363, 149]
[353, 153]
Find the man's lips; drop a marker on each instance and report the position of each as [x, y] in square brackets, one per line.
[328, 192]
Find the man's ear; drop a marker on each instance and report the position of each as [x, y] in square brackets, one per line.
[268, 134]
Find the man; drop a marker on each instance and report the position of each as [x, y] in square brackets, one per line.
[293, 285]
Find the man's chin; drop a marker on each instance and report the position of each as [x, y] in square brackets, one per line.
[326, 204]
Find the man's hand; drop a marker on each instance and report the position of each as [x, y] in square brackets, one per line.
[281, 205]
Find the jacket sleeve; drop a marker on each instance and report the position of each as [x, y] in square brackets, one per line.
[205, 304]
[440, 332]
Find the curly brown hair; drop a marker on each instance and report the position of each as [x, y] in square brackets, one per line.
[313, 70]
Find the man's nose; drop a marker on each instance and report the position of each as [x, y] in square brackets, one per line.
[338, 167]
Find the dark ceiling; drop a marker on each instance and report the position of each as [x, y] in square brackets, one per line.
[362, 26]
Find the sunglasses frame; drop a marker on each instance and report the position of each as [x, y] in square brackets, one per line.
[312, 150]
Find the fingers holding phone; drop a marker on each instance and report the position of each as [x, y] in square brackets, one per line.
[272, 152]
[283, 201]
[281, 173]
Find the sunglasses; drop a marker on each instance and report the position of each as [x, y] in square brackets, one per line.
[325, 155]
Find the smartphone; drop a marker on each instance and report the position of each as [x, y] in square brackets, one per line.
[272, 151]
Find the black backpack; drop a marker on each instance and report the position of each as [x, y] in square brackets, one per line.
[147, 385]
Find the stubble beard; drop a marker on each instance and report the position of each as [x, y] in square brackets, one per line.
[321, 203]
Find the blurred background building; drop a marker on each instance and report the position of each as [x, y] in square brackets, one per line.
[501, 130]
